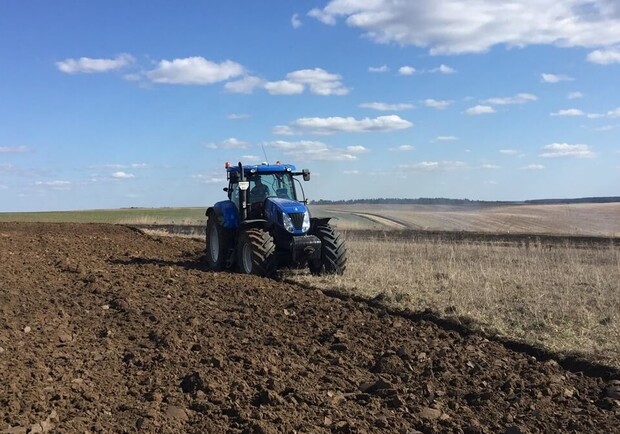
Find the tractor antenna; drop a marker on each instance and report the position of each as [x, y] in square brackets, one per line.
[264, 153]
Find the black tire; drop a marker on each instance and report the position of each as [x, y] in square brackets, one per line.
[256, 253]
[218, 244]
[333, 251]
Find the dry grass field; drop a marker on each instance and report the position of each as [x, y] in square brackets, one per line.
[566, 219]
[560, 297]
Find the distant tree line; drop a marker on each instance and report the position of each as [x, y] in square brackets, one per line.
[446, 201]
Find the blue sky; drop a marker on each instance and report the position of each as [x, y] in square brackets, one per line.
[107, 104]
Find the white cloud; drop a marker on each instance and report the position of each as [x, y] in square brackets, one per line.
[445, 138]
[444, 69]
[520, 98]
[284, 87]
[406, 70]
[431, 166]
[311, 151]
[605, 56]
[356, 149]
[122, 166]
[295, 21]
[210, 179]
[237, 116]
[320, 81]
[490, 166]
[3, 187]
[575, 95]
[451, 27]
[565, 150]
[402, 148]
[351, 172]
[194, 70]
[122, 175]
[87, 65]
[479, 110]
[605, 128]
[614, 113]
[322, 16]
[568, 112]
[332, 125]
[245, 85]
[555, 78]
[54, 185]
[508, 151]
[533, 167]
[14, 149]
[250, 158]
[382, 68]
[437, 104]
[231, 143]
[383, 106]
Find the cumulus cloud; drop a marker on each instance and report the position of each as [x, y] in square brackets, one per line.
[14, 149]
[490, 166]
[575, 95]
[122, 175]
[194, 70]
[386, 107]
[245, 85]
[319, 81]
[87, 65]
[614, 113]
[118, 166]
[457, 26]
[509, 151]
[336, 124]
[432, 166]
[520, 98]
[554, 78]
[382, 68]
[444, 69]
[231, 143]
[479, 110]
[533, 167]
[406, 70]
[568, 112]
[213, 178]
[312, 150]
[565, 150]
[295, 21]
[284, 87]
[402, 148]
[605, 56]
[437, 104]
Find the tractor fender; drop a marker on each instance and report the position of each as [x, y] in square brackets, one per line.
[316, 221]
[226, 213]
[255, 223]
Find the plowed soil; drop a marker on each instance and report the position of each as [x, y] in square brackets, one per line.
[104, 329]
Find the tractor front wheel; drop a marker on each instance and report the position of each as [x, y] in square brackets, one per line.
[256, 253]
[333, 251]
[219, 241]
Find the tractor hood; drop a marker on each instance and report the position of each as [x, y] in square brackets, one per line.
[291, 215]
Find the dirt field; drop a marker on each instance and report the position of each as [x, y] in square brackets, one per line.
[103, 329]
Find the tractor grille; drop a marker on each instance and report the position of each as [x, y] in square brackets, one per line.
[298, 219]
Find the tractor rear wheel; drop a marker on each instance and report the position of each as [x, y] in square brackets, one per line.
[333, 251]
[256, 253]
[219, 242]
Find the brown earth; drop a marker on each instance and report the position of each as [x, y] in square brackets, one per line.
[103, 329]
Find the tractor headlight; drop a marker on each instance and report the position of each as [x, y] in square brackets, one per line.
[287, 222]
[306, 224]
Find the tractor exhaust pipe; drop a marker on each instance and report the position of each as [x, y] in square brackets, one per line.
[243, 195]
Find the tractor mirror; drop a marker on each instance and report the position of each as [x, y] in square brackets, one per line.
[306, 174]
[244, 185]
[225, 189]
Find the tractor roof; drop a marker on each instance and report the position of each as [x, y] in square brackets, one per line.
[262, 168]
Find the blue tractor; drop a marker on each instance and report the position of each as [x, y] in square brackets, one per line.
[265, 226]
